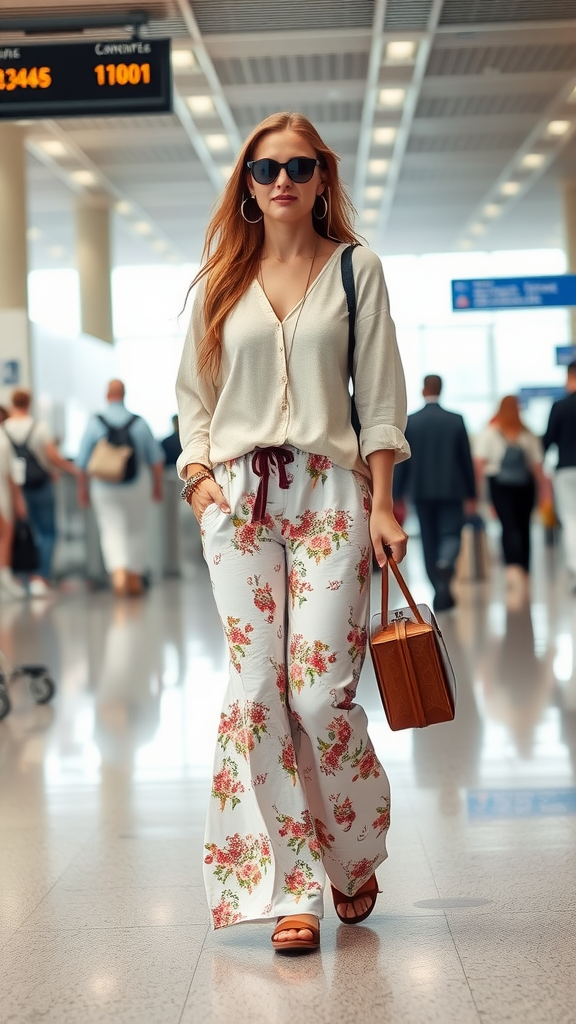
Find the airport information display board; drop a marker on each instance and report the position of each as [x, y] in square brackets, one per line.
[85, 79]
[514, 292]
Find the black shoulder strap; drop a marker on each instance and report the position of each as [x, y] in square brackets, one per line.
[29, 434]
[103, 421]
[350, 291]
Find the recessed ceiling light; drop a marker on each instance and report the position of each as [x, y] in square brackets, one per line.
[477, 229]
[465, 244]
[217, 143]
[124, 208]
[378, 167]
[532, 160]
[370, 216]
[227, 172]
[384, 136]
[492, 210]
[57, 251]
[83, 177]
[33, 234]
[53, 147]
[510, 188]
[142, 227]
[183, 60]
[558, 127]
[160, 244]
[401, 51]
[374, 193]
[391, 97]
[200, 105]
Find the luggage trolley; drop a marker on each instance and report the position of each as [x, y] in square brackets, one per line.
[41, 686]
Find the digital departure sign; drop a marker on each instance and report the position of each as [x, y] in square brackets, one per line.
[86, 79]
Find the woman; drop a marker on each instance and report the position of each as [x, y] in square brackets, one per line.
[12, 505]
[282, 493]
[510, 457]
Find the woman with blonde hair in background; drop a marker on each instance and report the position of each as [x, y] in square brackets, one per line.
[510, 457]
[289, 500]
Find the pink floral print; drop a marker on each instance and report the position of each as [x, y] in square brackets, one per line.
[287, 759]
[227, 910]
[238, 639]
[359, 871]
[281, 681]
[382, 823]
[263, 598]
[299, 833]
[366, 762]
[244, 857]
[226, 784]
[298, 587]
[243, 726]
[317, 467]
[318, 533]
[357, 638]
[308, 661]
[300, 882]
[344, 813]
[363, 567]
[334, 750]
[248, 535]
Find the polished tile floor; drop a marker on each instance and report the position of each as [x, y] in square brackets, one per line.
[102, 796]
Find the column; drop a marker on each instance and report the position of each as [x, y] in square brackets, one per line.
[569, 190]
[93, 260]
[14, 328]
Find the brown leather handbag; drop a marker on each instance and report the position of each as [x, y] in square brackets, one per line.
[413, 670]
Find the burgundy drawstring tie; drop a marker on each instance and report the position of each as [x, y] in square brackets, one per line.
[262, 463]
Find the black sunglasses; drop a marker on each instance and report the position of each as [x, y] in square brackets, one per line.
[299, 169]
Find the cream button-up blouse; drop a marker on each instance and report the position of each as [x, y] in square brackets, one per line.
[278, 385]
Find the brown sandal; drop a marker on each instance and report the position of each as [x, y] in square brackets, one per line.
[285, 924]
[370, 889]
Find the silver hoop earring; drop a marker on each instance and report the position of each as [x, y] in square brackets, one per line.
[320, 216]
[258, 219]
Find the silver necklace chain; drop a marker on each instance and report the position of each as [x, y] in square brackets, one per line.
[312, 260]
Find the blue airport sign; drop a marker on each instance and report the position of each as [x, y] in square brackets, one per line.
[514, 292]
[565, 354]
[521, 803]
[552, 391]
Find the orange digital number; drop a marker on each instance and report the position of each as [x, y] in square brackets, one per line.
[122, 74]
[24, 78]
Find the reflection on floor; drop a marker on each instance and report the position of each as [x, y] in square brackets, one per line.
[102, 912]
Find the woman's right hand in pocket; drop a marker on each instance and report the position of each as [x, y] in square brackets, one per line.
[206, 493]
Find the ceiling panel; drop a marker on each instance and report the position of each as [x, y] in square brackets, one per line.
[462, 12]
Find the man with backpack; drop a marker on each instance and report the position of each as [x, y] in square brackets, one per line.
[561, 432]
[116, 454]
[36, 459]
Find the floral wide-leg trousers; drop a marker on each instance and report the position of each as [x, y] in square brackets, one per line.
[297, 791]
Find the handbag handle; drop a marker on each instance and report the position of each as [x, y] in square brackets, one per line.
[391, 562]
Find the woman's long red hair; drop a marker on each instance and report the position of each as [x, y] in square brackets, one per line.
[507, 419]
[233, 247]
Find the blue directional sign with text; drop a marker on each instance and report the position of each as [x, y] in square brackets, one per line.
[565, 354]
[514, 292]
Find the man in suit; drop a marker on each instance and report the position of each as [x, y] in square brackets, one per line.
[561, 431]
[439, 478]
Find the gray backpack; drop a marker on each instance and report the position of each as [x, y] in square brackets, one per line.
[514, 470]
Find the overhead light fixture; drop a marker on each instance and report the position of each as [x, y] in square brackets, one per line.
[33, 234]
[200, 105]
[532, 160]
[53, 147]
[391, 97]
[491, 210]
[142, 227]
[510, 188]
[227, 171]
[465, 244]
[370, 216]
[401, 51]
[374, 193]
[558, 127]
[124, 208]
[477, 229]
[377, 167]
[384, 136]
[217, 143]
[160, 244]
[57, 251]
[87, 178]
[183, 60]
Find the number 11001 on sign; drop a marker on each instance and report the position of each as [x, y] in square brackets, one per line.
[122, 74]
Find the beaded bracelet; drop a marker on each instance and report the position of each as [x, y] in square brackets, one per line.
[192, 483]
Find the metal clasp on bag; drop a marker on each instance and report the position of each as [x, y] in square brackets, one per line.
[399, 617]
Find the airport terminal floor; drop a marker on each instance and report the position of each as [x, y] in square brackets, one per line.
[103, 915]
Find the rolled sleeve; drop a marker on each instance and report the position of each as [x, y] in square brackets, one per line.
[196, 397]
[379, 385]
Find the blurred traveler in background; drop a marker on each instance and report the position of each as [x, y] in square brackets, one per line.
[510, 457]
[439, 479]
[37, 461]
[12, 504]
[561, 431]
[4, 414]
[171, 445]
[121, 506]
